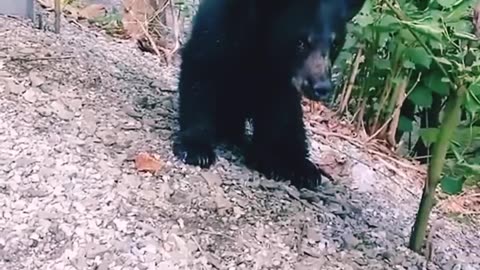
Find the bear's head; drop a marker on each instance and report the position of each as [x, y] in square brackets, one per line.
[308, 35]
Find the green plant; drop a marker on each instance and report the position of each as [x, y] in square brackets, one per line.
[421, 68]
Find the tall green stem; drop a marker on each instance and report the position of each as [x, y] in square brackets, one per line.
[448, 126]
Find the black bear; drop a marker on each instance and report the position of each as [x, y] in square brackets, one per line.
[253, 60]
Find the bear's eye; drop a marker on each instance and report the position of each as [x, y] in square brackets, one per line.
[301, 45]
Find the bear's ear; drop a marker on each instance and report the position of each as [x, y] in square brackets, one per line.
[352, 7]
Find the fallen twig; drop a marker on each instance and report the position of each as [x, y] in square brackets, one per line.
[150, 39]
[29, 59]
[371, 151]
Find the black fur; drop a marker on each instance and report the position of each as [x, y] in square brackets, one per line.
[238, 64]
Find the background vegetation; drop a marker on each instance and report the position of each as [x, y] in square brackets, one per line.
[412, 81]
[414, 55]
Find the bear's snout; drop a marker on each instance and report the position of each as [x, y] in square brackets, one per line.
[312, 79]
[317, 90]
[321, 89]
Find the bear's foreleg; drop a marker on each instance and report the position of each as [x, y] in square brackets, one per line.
[279, 149]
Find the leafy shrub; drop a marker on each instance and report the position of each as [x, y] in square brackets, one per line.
[414, 57]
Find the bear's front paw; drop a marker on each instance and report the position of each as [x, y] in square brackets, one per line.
[306, 175]
[301, 174]
[195, 154]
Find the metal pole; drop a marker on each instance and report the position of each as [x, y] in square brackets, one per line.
[22, 8]
[31, 10]
[58, 15]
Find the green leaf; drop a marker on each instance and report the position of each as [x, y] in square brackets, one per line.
[470, 168]
[388, 23]
[476, 63]
[364, 20]
[364, 16]
[445, 80]
[443, 60]
[421, 96]
[435, 83]
[458, 155]
[471, 103]
[436, 14]
[419, 56]
[452, 185]
[460, 11]
[382, 64]
[342, 59]
[436, 45]
[408, 64]
[429, 135]
[466, 36]
[407, 36]
[367, 34]
[350, 42]
[430, 31]
[383, 38]
[397, 49]
[464, 136]
[470, 58]
[405, 124]
[475, 88]
[446, 3]
[472, 99]
[462, 26]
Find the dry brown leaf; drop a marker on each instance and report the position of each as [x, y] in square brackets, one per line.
[467, 203]
[146, 162]
[136, 13]
[92, 11]
[71, 11]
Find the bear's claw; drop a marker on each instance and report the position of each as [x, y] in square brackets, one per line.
[195, 154]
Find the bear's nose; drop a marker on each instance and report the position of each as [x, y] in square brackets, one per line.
[322, 88]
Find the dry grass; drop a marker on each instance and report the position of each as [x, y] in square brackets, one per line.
[467, 203]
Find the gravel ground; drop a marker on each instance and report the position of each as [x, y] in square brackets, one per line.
[76, 109]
